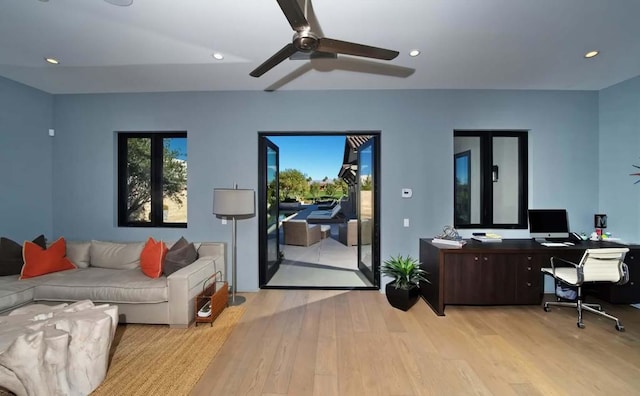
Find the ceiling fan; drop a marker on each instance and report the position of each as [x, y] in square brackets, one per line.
[304, 40]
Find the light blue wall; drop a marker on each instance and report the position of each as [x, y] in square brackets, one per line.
[417, 145]
[25, 161]
[620, 149]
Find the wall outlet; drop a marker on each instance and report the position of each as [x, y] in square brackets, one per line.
[407, 193]
[406, 222]
[224, 221]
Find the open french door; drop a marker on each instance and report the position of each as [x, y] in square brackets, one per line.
[368, 244]
[269, 155]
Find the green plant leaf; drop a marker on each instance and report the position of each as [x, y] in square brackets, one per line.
[405, 271]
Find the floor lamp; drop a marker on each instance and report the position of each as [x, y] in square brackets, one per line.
[237, 204]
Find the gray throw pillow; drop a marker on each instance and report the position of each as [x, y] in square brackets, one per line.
[11, 260]
[181, 254]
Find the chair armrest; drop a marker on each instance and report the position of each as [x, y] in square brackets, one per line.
[560, 260]
[625, 274]
[185, 284]
[314, 235]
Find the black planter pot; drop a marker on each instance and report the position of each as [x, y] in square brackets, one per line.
[400, 298]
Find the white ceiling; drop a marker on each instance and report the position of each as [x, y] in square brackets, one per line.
[167, 45]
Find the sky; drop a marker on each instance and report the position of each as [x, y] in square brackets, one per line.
[316, 156]
[179, 144]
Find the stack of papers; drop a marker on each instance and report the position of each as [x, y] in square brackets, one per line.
[451, 242]
[487, 238]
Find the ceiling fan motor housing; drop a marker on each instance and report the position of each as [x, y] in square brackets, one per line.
[305, 41]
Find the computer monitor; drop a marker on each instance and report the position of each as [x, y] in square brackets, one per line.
[548, 223]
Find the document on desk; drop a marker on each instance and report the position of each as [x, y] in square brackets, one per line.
[554, 244]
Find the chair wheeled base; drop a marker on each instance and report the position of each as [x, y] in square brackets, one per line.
[580, 306]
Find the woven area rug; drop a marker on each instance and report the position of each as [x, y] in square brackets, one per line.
[158, 360]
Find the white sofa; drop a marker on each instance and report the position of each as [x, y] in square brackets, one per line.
[140, 299]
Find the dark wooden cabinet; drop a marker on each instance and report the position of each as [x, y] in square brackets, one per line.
[505, 273]
[628, 293]
[466, 280]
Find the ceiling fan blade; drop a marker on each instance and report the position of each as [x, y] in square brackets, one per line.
[278, 57]
[347, 48]
[294, 14]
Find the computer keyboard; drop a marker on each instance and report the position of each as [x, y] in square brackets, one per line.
[554, 244]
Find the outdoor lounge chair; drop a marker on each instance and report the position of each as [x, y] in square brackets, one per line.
[348, 232]
[300, 233]
[324, 214]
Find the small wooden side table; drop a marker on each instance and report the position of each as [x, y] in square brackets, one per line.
[217, 293]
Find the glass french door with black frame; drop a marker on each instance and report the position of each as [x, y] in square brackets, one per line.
[368, 244]
[270, 212]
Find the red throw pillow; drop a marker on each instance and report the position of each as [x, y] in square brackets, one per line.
[39, 261]
[152, 258]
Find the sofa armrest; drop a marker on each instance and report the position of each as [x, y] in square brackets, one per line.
[185, 284]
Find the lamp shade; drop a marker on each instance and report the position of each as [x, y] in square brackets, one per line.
[233, 202]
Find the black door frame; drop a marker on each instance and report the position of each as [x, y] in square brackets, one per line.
[262, 196]
[267, 271]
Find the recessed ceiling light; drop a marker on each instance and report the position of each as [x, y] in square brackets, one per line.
[218, 56]
[53, 61]
[591, 54]
[414, 53]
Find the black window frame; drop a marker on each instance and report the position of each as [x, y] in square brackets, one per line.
[486, 182]
[156, 178]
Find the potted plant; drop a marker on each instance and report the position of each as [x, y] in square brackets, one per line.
[403, 292]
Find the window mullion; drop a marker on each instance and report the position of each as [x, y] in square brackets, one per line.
[156, 180]
[486, 198]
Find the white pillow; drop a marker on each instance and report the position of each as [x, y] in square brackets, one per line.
[116, 255]
[78, 253]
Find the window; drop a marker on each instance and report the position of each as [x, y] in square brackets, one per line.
[152, 179]
[462, 187]
[490, 179]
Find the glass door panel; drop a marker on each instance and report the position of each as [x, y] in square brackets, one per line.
[271, 226]
[366, 182]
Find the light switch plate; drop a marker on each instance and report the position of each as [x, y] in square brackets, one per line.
[407, 193]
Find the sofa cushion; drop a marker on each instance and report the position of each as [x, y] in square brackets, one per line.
[115, 255]
[79, 253]
[14, 292]
[39, 261]
[181, 254]
[11, 260]
[102, 285]
[152, 257]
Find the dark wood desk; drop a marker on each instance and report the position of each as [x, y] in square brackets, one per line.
[504, 273]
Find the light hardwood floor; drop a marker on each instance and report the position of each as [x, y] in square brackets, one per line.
[314, 342]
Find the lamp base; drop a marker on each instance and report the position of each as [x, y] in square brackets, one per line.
[239, 300]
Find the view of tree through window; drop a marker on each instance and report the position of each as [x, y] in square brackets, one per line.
[152, 179]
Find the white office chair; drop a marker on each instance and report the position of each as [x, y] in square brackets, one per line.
[596, 265]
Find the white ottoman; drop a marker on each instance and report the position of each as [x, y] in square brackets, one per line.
[56, 350]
